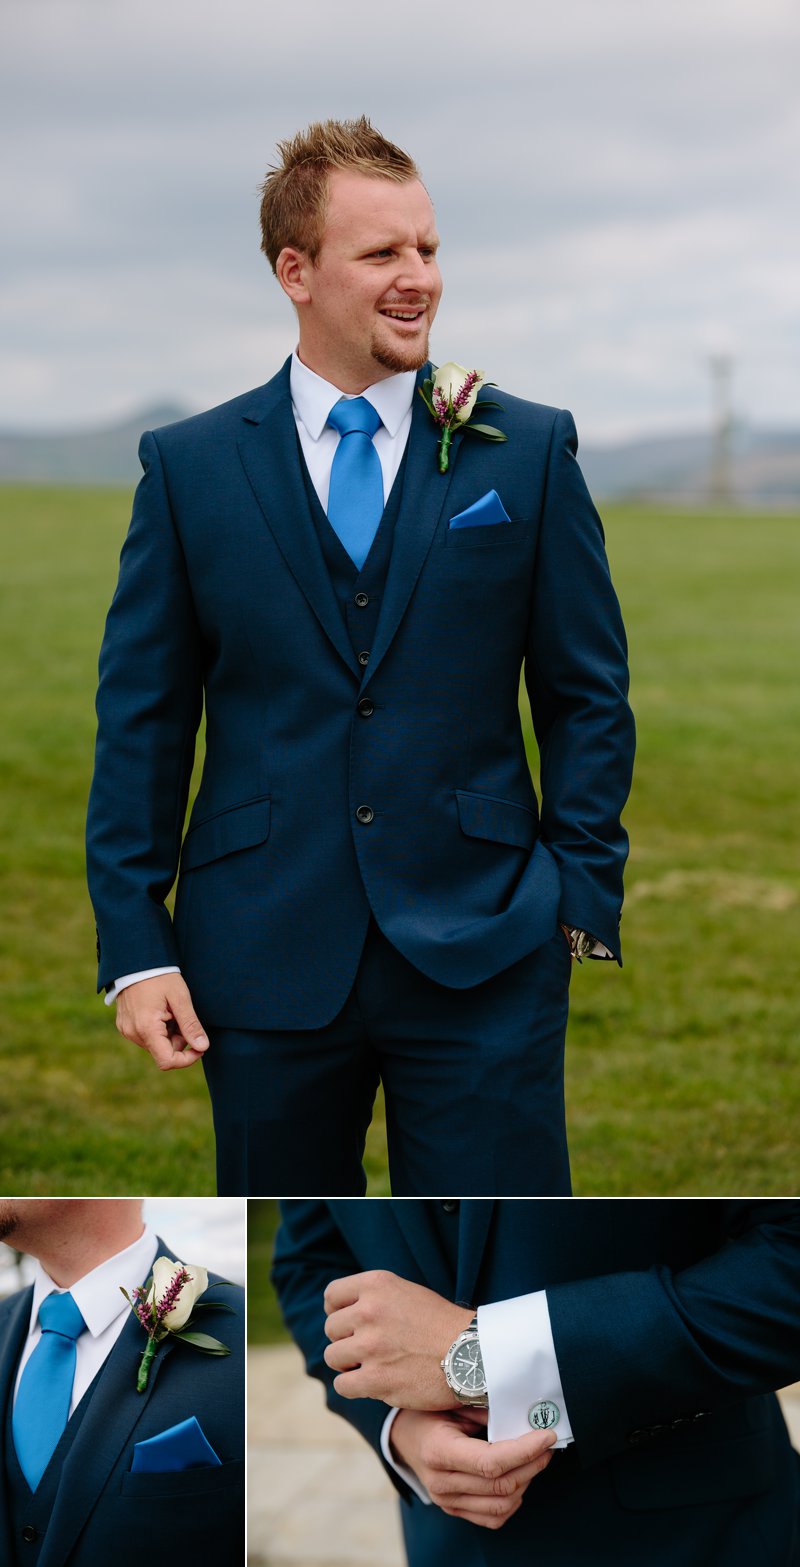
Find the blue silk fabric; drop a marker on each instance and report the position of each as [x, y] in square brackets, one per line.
[184, 1446]
[488, 509]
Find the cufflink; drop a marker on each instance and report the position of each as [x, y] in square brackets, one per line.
[543, 1415]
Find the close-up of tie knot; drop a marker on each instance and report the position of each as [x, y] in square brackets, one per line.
[60, 1314]
[354, 414]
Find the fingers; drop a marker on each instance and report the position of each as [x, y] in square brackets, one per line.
[455, 1485]
[345, 1292]
[491, 1461]
[157, 1014]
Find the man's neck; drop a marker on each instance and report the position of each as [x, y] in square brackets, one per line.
[344, 378]
[71, 1258]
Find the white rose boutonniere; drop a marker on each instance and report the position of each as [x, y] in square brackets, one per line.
[166, 1307]
[451, 396]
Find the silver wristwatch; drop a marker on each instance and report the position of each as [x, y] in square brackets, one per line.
[463, 1368]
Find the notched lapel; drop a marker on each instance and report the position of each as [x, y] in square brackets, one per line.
[270, 458]
[475, 1219]
[414, 1219]
[423, 500]
[114, 1409]
[14, 1318]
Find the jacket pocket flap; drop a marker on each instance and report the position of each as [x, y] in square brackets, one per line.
[724, 1472]
[501, 821]
[240, 827]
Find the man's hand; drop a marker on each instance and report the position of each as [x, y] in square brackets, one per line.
[388, 1338]
[158, 1015]
[463, 1474]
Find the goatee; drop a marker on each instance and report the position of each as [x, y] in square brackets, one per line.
[8, 1221]
[397, 361]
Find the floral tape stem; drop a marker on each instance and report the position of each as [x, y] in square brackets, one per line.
[144, 1368]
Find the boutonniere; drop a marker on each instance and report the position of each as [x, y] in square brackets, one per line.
[167, 1305]
[451, 396]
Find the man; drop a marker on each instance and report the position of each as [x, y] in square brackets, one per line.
[94, 1470]
[623, 1352]
[367, 890]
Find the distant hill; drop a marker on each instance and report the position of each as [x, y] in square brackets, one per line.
[102, 456]
[765, 464]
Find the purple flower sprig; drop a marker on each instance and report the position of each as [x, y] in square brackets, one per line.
[153, 1311]
[450, 396]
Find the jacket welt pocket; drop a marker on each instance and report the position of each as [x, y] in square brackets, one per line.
[485, 533]
[501, 821]
[239, 827]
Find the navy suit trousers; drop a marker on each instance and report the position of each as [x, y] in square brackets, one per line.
[473, 1083]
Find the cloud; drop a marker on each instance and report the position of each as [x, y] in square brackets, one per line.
[611, 182]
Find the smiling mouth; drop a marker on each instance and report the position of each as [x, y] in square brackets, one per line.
[409, 316]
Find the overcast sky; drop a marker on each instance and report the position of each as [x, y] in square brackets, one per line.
[615, 184]
[211, 1231]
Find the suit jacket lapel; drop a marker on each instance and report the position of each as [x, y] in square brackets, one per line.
[413, 1217]
[269, 454]
[476, 1216]
[423, 500]
[14, 1318]
[113, 1411]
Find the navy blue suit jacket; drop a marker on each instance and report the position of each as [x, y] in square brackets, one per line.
[223, 594]
[662, 1311]
[105, 1514]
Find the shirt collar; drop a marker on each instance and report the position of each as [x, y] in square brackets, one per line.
[97, 1294]
[313, 398]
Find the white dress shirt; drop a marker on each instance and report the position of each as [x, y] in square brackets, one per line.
[104, 1310]
[519, 1359]
[312, 401]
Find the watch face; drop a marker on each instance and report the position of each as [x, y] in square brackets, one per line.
[466, 1368]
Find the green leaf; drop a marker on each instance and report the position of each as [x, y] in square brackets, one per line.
[213, 1305]
[487, 430]
[487, 402]
[204, 1341]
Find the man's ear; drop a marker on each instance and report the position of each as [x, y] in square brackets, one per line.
[291, 269]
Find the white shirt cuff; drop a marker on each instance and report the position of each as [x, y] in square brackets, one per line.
[600, 950]
[133, 979]
[400, 1469]
[519, 1359]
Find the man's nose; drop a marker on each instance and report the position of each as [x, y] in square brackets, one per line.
[414, 275]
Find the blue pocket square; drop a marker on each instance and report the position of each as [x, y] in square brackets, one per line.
[489, 508]
[180, 1447]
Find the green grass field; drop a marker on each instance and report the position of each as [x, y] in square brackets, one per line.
[683, 1069]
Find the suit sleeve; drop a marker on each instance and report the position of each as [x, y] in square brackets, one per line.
[149, 704]
[638, 1351]
[310, 1251]
[576, 674]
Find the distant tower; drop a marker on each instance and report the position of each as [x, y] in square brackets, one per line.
[720, 476]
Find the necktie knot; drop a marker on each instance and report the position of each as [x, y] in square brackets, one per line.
[354, 414]
[60, 1314]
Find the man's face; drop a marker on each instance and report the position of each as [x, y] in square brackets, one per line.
[375, 287]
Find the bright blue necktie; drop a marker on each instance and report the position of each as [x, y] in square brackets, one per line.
[355, 497]
[41, 1410]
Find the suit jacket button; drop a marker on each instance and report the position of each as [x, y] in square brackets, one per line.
[366, 707]
[363, 659]
[362, 600]
[29, 1534]
[365, 814]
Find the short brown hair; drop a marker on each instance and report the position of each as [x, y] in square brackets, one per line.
[294, 195]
